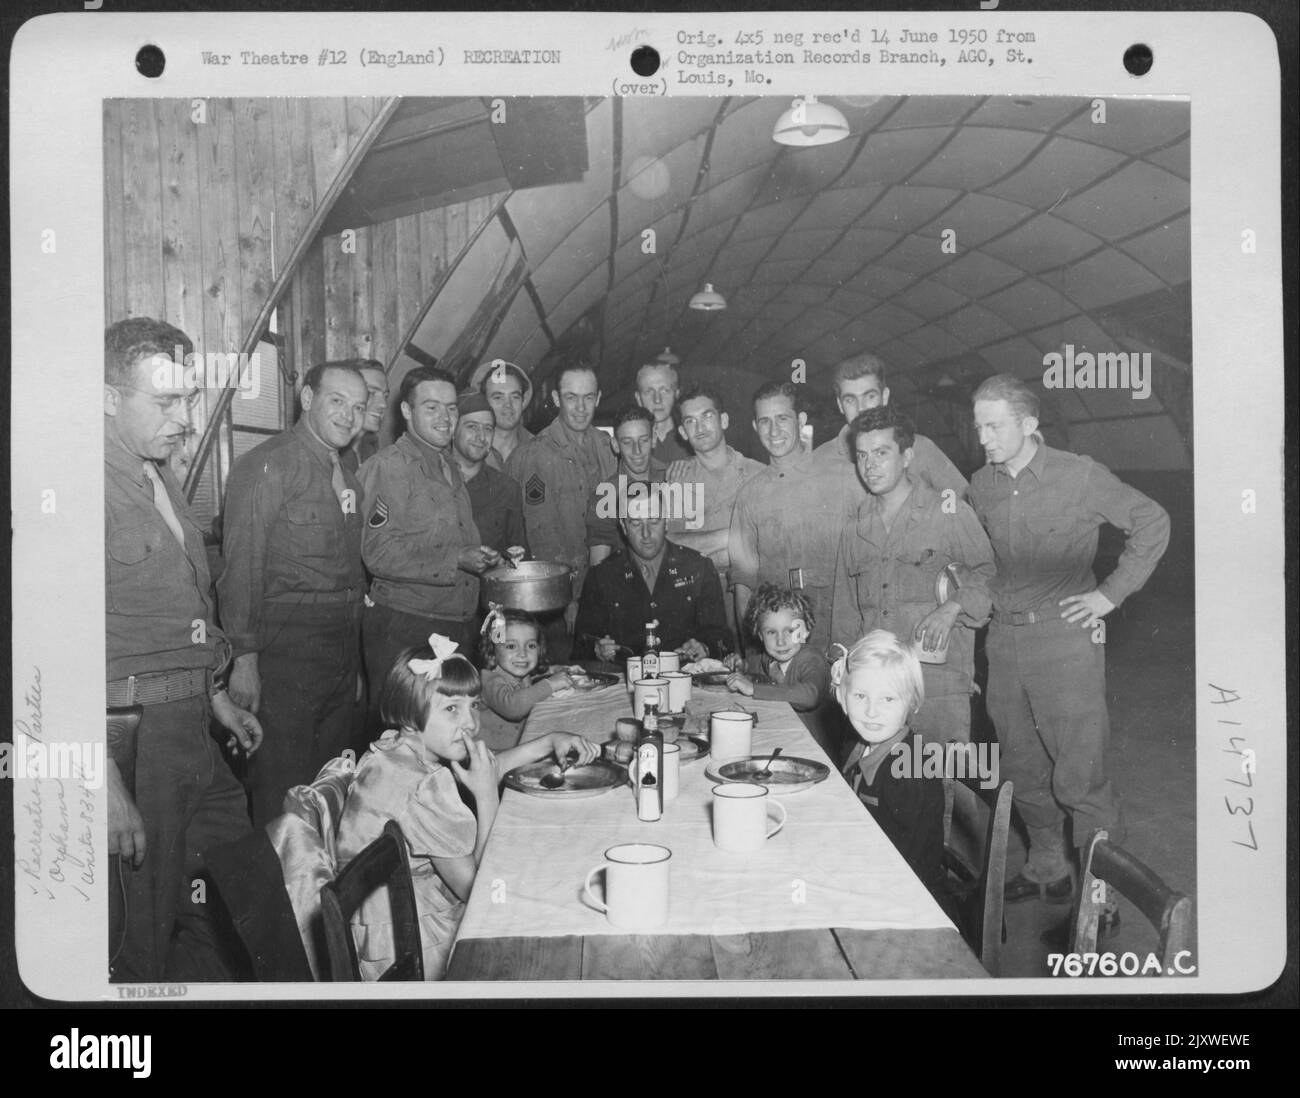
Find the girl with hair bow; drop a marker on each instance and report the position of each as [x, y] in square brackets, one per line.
[415, 773]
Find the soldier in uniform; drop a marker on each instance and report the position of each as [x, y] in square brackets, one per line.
[656, 392]
[509, 392]
[421, 543]
[654, 580]
[292, 590]
[859, 386]
[366, 444]
[173, 797]
[632, 442]
[495, 499]
[558, 471]
[785, 527]
[1042, 509]
[892, 552]
[714, 474]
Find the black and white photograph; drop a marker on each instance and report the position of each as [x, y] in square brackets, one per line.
[844, 327]
[695, 534]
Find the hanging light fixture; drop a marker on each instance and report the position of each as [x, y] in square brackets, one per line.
[809, 122]
[667, 357]
[708, 300]
[648, 177]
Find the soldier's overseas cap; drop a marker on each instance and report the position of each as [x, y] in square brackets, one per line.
[468, 403]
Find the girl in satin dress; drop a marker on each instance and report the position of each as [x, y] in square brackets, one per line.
[415, 774]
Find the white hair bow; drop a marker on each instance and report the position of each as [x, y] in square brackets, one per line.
[838, 667]
[442, 648]
[494, 626]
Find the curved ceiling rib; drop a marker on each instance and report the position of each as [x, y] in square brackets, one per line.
[1071, 224]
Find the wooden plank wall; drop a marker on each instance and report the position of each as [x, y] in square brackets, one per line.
[362, 295]
[202, 211]
[200, 216]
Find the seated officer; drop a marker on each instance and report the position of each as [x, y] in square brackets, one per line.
[654, 579]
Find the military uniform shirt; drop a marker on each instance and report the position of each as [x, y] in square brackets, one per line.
[155, 589]
[788, 517]
[558, 473]
[1043, 524]
[715, 495]
[686, 600]
[497, 504]
[602, 506]
[288, 537]
[418, 519]
[885, 579]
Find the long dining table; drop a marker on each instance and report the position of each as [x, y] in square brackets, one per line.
[828, 898]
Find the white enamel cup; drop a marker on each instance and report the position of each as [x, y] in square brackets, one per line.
[669, 661]
[633, 671]
[672, 764]
[636, 886]
[741, 812]
[731, 733]
[649, 692]
[679, 690]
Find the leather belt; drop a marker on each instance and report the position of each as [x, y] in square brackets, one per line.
[1024, 617]
[159, 687]
[313, 598]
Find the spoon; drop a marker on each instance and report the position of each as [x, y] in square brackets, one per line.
[553, 779]
[768, 768]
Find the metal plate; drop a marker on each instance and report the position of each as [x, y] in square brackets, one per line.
[789, 774]
[710, 678]
[693, 747]
[593, 680]
[591, 780]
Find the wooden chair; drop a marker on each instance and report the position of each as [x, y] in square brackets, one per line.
[975, 858]
[383, 862]
[1170, 912]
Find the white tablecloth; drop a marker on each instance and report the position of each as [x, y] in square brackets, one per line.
[831, 866]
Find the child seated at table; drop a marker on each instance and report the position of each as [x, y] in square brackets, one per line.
[878, 685]
[512, 644]
[789, 669]
[430, 703]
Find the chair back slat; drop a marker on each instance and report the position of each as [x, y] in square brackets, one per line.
[975, 851]
[1170, 913]
[385, 862]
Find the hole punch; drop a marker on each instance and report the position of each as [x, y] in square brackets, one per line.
[150, 61]
[645, 60]
[1138, 59]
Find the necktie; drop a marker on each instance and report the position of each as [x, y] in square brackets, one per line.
[337, 481]
[350, 460]
[163, 503]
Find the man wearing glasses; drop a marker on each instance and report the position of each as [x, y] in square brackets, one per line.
[896, 545]
[171, 795]
[558, 471]
[292, 590]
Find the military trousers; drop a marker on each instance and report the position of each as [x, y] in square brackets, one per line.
[1047, 700]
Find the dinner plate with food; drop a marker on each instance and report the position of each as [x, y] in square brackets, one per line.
[707, 672]
[782, 775]
[548, 778]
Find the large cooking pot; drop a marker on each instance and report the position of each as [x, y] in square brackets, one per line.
[536, 586]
